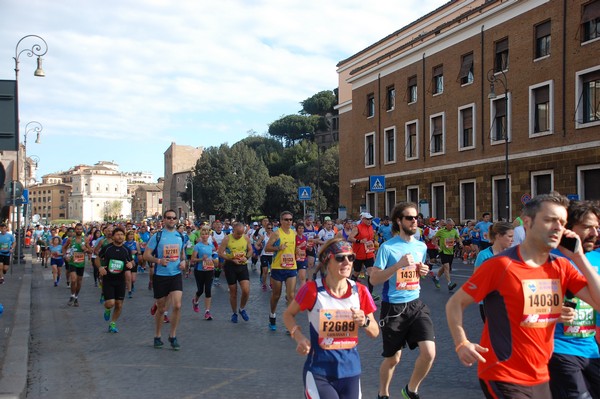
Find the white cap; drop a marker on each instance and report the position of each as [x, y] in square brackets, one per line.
[366, 215]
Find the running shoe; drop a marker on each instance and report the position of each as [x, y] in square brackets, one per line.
[436, 281]
[382, 397]
[158, 343]
[264, 287]
[216, 283]
[68, 283]
[150, 285]
[376, 298]
[101, 298]
[174, 344]
[166, 319]
[234, 318]
[76, 303]
[244, 315]
[107, 314]
[406, 394]
[112, 328]
[96, 284]
[272, 324]
[153, 309]
[71, 301]
[195, 305]
[207, 315]
[451, 286]
[129, 295]
[56, 283]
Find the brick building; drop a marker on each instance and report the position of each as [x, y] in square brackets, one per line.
[416, 108]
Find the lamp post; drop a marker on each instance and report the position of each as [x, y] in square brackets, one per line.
[190, 179]
[37, 128]
[495, 77]
[38, 49]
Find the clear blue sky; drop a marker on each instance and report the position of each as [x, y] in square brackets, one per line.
[126, 78]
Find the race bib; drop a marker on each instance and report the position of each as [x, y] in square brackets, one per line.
[485, 236]
[171, 252]
[116, 266]
[407, 278]
[301, 255]
[288, 261]
[240, 256]
[78, 257]
[208, 264]
[369, 246]
[584, 324]
[143, 245]
[4, 246]
[542, 302]
[337, 329]
[449, 242]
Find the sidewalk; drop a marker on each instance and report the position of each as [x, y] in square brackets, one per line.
[15, 321]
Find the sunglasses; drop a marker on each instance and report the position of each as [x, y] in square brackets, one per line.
[287, 219]
[171, 217]
[409, 218]
[340, 258]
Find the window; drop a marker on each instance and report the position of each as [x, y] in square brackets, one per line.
[466, 69]
[372, 203]
[501, 59]
[542, 39]
[410, 151]
[438, 200]
[540, 105]
[412, 194]
[542, 182]
[412, 89]
[500, 119]
[370, 149]
[588, 90]
[467, 200]
[499, 194]
[590, 21]
[466, 127]
[370, 106]
[437, 134]
[390, 145]
[390, 98]
[438, 79]
[390, 201]
[587, 182]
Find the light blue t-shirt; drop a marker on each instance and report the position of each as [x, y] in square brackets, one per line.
[484, 228]
[385, 232]
[204, 250]
[169, 246]
[572, 345]
[388, 255]
[6, 242]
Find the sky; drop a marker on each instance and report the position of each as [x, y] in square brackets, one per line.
[125, 79]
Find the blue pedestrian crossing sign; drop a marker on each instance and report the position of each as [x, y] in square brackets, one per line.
[304, 193]
[377, 184]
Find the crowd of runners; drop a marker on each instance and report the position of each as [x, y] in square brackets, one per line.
[537, 294]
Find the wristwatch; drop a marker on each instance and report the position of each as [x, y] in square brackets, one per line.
[367, 322]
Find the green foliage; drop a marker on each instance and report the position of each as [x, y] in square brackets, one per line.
[270, 151]
[225, 182]
[290, 129]
[282, 195]
[319, 104]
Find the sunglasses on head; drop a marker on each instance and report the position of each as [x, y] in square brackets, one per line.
[340, 257]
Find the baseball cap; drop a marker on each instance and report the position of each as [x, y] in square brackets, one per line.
[255, 224]
[431, 220]
[366, 215]
[327, 218]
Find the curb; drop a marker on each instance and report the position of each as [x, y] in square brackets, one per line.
[13, 383]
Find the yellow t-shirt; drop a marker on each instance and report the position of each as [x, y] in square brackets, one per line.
[237, 247]
[286, 258]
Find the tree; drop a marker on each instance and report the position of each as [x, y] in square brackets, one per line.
[227, 182]
[292, 128]
[270, 151]
[319, 104]
[282, 195]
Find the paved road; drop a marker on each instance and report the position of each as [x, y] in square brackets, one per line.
[72, 355]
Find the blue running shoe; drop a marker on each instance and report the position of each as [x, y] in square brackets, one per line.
[112, 328]
[272, 324]
[174, 344]
[234, 318]
[158, 343]
[107, 314]
[244, 315]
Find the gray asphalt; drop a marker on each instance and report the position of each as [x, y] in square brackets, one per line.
[52, 350]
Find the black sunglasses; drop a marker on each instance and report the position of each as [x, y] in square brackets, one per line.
[171, 217]
[340, 258]
[409, 218]
[287, 219]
